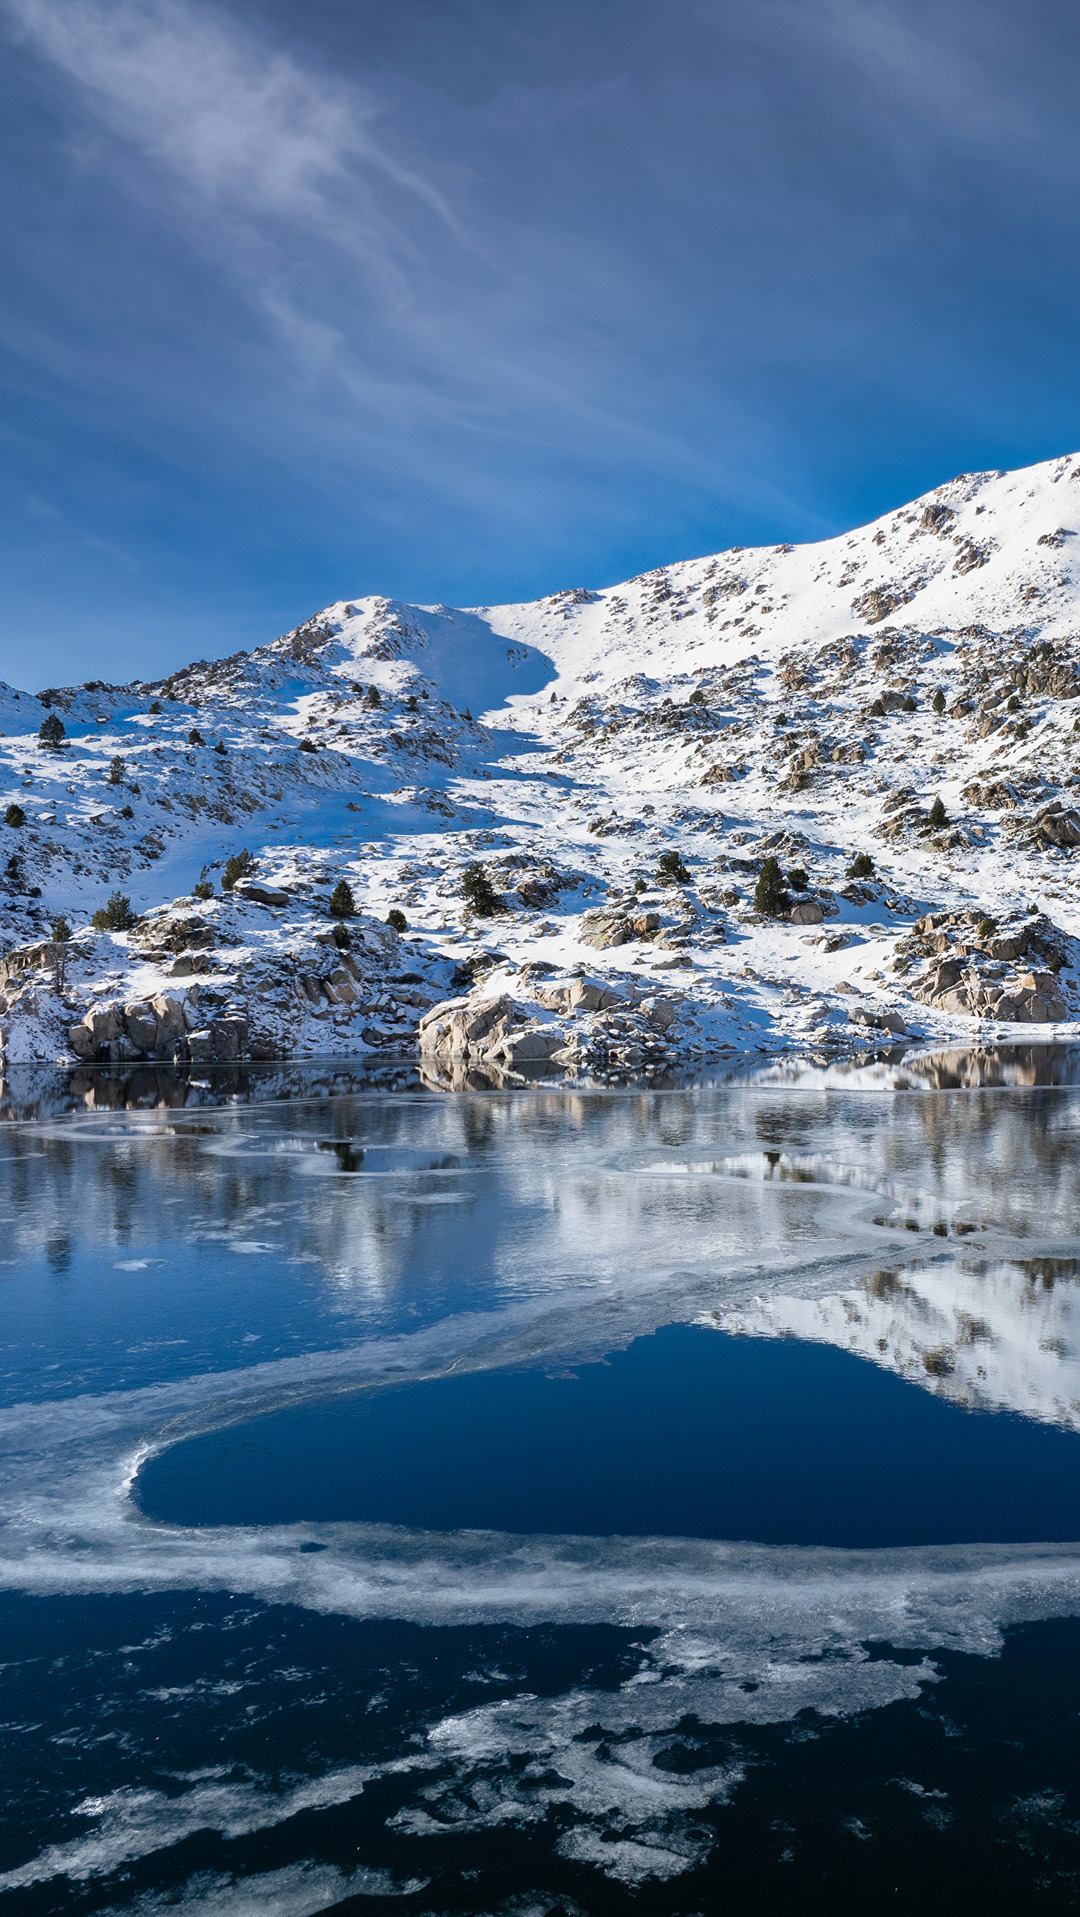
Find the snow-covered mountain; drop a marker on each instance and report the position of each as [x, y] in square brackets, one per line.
[805, 702]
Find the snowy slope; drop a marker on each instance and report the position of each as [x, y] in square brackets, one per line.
[762, 701]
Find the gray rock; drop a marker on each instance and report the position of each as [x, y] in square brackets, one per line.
[604, 929]
[807, 912]
[530, 1048]
[81, 1040]
[1060, 828]
[141, 1026]
[259, 893]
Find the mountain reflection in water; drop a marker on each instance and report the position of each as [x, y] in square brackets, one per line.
[184, 1256]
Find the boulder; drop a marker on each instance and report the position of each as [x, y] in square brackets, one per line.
[603, 929]
[807, 912]
[260, 894]
[660, 1012]
[576, 995]
[1058, 827]
[878, 1021]
[201, 1046]
[531, 1047]
[340, 987]
[458, 1027]
[172, 1023]
[81, 1040]
[103, 1024]
[219, 1043]
[141, 1026]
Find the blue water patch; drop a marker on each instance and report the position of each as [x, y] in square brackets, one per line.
[689, 1432]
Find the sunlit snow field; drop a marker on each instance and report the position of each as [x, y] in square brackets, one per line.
[659, 1499]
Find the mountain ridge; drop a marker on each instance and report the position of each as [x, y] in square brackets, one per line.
[763, 701]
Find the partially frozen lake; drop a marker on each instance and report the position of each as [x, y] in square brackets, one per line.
[652, 1499]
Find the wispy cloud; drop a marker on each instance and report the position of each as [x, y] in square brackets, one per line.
[243, 128]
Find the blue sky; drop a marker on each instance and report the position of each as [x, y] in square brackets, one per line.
[467, 300]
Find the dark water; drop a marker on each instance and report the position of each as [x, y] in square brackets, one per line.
[688, 1433]
[651, 1501]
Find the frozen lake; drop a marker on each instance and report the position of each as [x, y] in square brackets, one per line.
[656, 1499]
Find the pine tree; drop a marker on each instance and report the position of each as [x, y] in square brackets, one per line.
[238, 867]
[478, 890]
[770, 897]
[342, 902]
[938, 814]
[117, 916]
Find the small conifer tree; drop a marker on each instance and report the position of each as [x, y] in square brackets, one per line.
[14, 815]
[861, 867]
[51, 731]
[117, 916]
[397, 919]
[116, 770]
[670, 869]
[238, 867]
[195, 737]
[342, 902]
[203, 889]
[373, 698]
[478, 891]
[770, 897]
[938, 814]
[697, 697]
[938, 702]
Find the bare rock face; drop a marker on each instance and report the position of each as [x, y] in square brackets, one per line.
[153, 1028]
[603, 929]
[1035, 998]
[464, 1028]
[577, 995]
[221, 1042]
[968, 952]
[1058, 826]
[807, 912]
[29, 958]
[572, 1022]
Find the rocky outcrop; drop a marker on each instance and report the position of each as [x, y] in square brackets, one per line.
[604, 928]
[572, 1022]
[1034, 998]
[1059, 826]
[144, 1028]
[879, 1021]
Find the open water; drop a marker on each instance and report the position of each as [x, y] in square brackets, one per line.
[647, 1500]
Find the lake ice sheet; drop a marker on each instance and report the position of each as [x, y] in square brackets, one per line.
[284, 1715]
